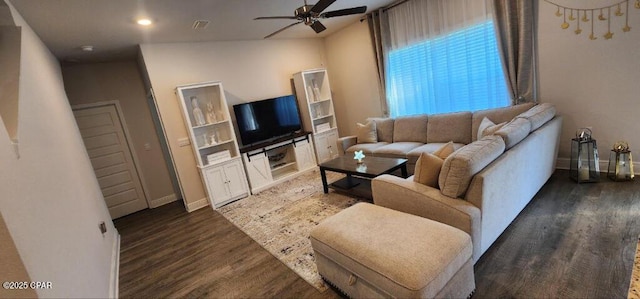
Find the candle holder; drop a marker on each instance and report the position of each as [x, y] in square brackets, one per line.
[585, 164]
[620, 163]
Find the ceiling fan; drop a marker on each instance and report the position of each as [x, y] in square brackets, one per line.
[310, 15]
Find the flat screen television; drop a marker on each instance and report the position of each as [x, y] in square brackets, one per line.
[267, 119]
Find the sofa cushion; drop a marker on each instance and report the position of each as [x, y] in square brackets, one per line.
[497, 115]
[396, 149]
[445, 127]
[539, 115]
[487, 127]
[367, 133]
[411, 129]
[366, 148]
[415, 153]
[384, 128]
[460, 167]
[514, 131]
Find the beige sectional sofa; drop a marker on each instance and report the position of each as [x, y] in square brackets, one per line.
[409, 136]
[485, 183]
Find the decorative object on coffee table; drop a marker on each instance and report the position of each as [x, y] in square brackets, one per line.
[584, 166]
[620, 162]
[358, 155]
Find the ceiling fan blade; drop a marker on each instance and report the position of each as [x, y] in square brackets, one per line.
[344, 12]
[276, 17]
[321, 5]
[317, 27]
[283, 29]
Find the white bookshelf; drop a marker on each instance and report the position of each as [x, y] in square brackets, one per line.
[317, 111]
[213, 140]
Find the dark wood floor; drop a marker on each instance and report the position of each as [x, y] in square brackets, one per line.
[169, 253]
[571, 241]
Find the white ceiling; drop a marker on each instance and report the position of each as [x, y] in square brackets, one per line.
[109, 25]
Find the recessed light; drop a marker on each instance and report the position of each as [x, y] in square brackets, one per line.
[144, 22]
[87, 48]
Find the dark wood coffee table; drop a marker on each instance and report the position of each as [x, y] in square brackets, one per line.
[359, 175]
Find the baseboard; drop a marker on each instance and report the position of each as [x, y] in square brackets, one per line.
[564, 163]
[115, 268]
[192, 206]
[162, 201]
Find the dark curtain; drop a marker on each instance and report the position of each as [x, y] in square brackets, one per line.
[515, 22]
[378, 28]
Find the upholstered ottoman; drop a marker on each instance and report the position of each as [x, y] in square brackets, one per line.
[369, 251]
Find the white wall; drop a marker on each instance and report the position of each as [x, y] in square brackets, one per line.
[50, 198]
[249, 71]
[354, 76]
[592, 83]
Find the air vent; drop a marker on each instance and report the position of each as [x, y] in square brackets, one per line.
[200, 24]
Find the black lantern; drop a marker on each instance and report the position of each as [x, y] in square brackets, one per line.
[620, 162]
[584, 166]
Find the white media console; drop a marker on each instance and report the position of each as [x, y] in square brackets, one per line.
[271, 164]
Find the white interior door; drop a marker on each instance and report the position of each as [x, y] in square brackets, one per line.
[110, 155]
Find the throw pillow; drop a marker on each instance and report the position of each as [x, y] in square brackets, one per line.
[487, 127]
[367, 132]
[427, 170]
[428, 165]
[445, 150]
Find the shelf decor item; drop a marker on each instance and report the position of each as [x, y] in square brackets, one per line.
[218, 157]
[198, 117]
[585, 167]
[620, 163]
[211, 114]
[311, 94]
[316, 91]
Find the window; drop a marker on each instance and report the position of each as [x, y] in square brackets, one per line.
[460, 71]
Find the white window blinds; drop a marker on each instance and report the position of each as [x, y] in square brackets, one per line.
[445, 72]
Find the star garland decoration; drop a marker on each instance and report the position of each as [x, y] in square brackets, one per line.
[589, 16]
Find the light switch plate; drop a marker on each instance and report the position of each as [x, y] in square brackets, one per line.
[184, 141]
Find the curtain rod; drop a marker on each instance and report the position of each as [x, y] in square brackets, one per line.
[390, 6]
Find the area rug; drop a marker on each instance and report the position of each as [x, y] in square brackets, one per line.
[280, 219]
[634, 286]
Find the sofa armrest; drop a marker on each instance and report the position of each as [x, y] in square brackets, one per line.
[346, 142]
[407, 196]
